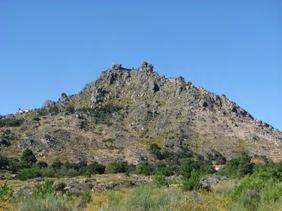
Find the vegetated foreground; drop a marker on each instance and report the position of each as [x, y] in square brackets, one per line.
[134, 140]
[174, 182]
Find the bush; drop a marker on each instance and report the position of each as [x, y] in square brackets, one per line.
[57, 164]
[70, 109]
[48, 172]
[100, 114]
[192, 182]
[160, 180]
[80, 165]
[60, 186]
[117, 167]
[28, 156]
[49, 203]
[216, 157]
[164, 169]
[86, 196]
[5, 192]
[144, 168]
[43, 189]
[69, 172]
[29, 173]
[239, 167]
[96, 168]
[14, 164]
[4, 162]
[201, 166]
[255, 191]
[156, 151]
[270, 170]
[11, 122]
[42, 164]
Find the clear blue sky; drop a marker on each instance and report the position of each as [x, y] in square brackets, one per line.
[228, 47]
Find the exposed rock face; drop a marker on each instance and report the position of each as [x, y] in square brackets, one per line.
[124, 110]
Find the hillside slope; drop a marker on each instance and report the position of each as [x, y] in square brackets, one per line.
[125, 110]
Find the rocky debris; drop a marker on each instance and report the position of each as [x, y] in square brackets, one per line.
[209, 182]
[77, 186]
[74, 186]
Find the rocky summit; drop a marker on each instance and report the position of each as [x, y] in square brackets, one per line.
[123, 112]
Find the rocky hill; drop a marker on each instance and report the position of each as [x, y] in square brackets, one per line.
[123, 112]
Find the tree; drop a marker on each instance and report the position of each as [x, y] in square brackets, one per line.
[28, 157]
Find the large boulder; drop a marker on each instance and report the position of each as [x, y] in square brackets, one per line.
[210, 181]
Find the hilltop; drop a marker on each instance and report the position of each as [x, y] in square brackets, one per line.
[123, 112]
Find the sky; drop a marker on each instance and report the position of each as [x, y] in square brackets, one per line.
[228, 47]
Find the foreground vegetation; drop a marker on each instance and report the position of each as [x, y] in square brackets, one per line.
[176, 184]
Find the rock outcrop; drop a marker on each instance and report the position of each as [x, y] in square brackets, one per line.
[117, 116]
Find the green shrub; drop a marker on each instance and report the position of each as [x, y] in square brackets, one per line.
[11, 122]
[42, 164]
[28, 157]
[254, 192]
[57, 164]
[160, 180]
[163, 169]
[60, 187]
[80, 165]
[192, 182]
[270, 170]
[201, 166]
[117, 167]
[14, 164]
[69, 172]
[70, 165]
[86, 196]
[239, 167]
[48, 203]
[5, 192]
[48, 172]
[29, 173]
[96, 168]
[43, 189]
[4, 162]
[144, 168]
[100, 114]
[70, 109]
[216, 157]
[156, 151]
